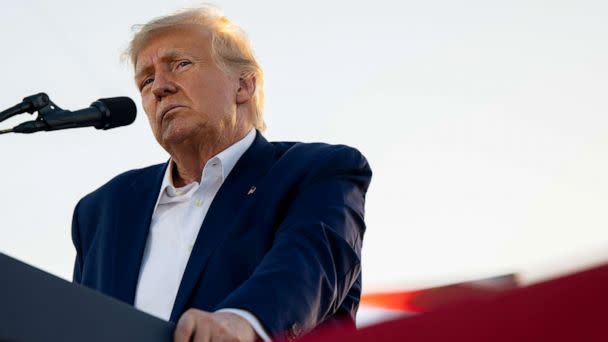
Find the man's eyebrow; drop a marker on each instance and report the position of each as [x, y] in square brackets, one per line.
[139, 73]
[168, 55]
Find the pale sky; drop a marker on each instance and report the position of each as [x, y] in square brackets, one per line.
[484, 122]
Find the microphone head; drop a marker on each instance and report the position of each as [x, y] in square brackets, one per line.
[118, 111]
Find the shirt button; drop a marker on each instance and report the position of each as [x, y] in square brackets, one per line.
[199, 202]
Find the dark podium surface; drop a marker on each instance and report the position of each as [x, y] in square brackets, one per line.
[38, 306]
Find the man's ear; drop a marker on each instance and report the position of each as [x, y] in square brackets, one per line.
[246, 90]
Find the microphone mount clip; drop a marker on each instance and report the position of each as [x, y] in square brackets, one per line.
[40, 103]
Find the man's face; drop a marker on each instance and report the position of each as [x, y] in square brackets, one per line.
[184, 93]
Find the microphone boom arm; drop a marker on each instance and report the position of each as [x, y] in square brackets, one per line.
[30, 104]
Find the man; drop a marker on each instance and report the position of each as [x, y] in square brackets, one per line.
[234, 238]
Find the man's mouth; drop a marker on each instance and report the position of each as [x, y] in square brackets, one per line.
[169, 110]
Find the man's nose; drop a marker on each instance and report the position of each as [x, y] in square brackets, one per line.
[163, 85]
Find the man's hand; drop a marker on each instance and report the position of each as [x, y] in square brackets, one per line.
[197, 325]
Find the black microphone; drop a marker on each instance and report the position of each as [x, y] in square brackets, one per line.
[102, 114]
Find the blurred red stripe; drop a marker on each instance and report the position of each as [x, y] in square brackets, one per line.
[432, 298]
[390, 300]
[571, 308]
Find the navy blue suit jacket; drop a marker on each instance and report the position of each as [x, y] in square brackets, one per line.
[288, 252]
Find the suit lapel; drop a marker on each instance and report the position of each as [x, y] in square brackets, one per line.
[222, 213]
[131, 227]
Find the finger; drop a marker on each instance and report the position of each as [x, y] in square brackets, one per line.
[202, 331]
[185, 327]
[210, 330]
[201, 336]
[220, 333]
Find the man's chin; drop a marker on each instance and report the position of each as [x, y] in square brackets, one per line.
[177, 137]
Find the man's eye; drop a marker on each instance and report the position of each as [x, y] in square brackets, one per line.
[146, 82]
[182, 64]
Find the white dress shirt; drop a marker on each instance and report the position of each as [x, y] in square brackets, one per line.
[177, 218]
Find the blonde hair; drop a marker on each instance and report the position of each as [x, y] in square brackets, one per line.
[230, 48]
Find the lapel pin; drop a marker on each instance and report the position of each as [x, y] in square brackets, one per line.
[251, 190]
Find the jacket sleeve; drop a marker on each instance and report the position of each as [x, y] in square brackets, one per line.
[315, 258]
[78, 262]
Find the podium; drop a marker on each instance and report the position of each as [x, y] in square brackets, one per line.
[38, 306]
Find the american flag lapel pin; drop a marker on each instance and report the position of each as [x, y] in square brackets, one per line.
[251, 191]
